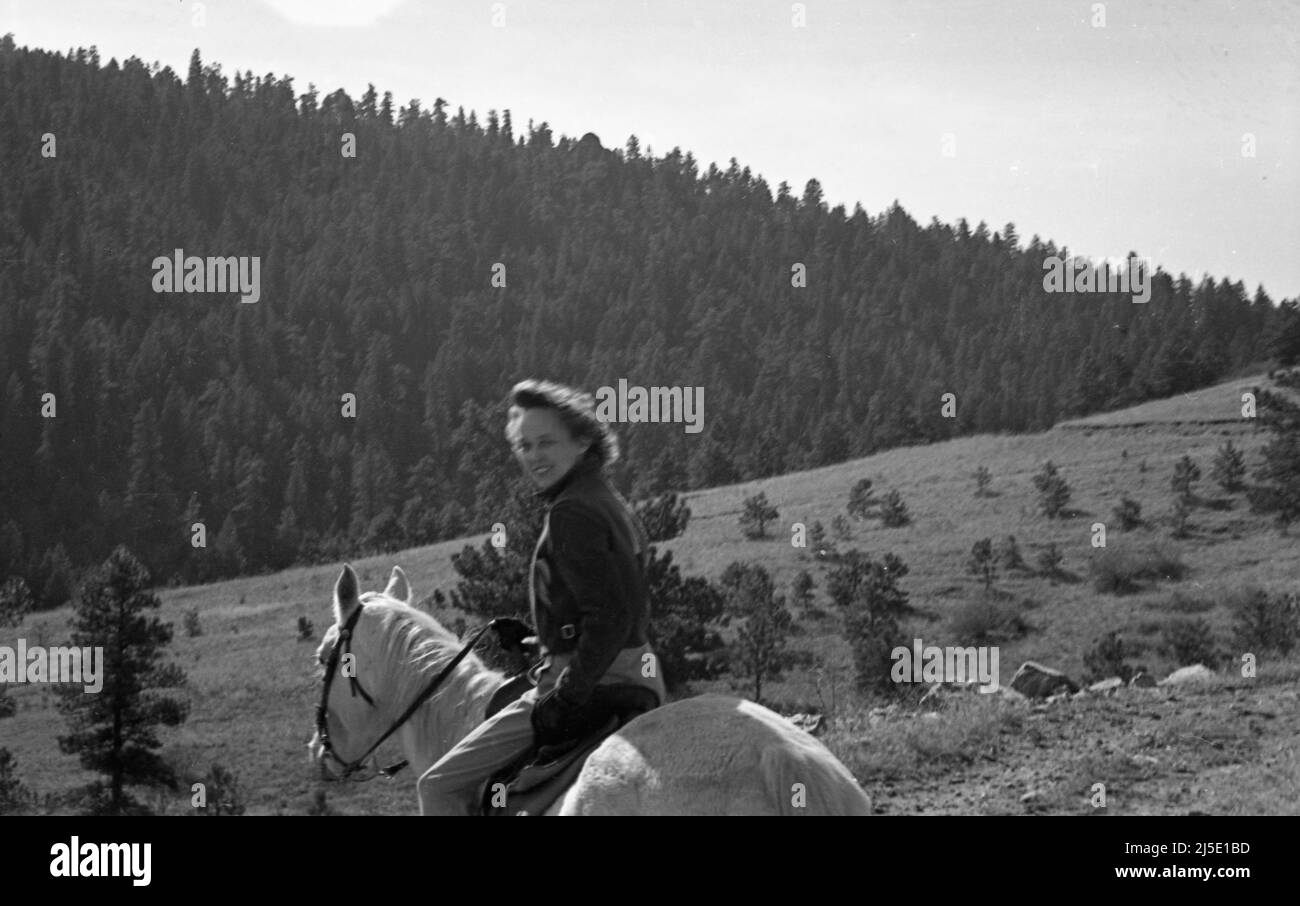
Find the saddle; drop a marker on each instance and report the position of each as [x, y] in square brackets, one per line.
[535, 781]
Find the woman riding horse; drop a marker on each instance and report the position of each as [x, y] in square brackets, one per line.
[587, 590]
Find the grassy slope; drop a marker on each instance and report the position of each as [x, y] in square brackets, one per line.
[252, 685]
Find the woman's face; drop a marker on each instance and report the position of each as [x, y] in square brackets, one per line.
[544, 447]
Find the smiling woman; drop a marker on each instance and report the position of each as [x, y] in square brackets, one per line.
[588, 590]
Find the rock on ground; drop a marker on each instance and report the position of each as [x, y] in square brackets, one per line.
[1036, 681]
[1196, 673]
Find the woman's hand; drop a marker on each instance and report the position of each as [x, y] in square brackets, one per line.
[556, 719]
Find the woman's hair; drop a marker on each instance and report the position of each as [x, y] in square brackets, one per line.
[577, 411]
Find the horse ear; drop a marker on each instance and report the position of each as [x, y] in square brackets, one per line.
[346, 594]
[398, 586]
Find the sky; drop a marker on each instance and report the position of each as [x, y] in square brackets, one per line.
[1168, 129]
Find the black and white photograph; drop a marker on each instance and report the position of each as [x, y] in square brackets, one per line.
[702, 407]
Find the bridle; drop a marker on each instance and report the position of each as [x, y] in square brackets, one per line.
[331, 667]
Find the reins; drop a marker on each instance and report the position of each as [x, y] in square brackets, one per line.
[322, 729]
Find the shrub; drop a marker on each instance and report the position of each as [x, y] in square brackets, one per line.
[8, 705]
[1189, 640]
[973, 728]
[1106, 659]
[982, 481]
[320, 805]
[840, 526]
[306, 632]
[1189, 602]
[893, 511]
[1128, 513]
[222, 793]
[985, 621]
[1008, 554]
[1049, 560]
[14, 796]
[1264, 622]
[1180, 519]
[1186, 473]
[1053, 491]
[193, 628]
[1120, 570]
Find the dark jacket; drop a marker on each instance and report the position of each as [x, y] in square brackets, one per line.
[588, 581]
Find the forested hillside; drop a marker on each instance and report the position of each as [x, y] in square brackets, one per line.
[377, 280]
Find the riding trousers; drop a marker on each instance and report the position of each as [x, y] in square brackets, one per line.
[454, 785]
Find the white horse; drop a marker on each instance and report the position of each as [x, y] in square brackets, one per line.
[709, 755]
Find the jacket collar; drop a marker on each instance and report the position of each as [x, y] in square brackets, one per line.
[589, 464]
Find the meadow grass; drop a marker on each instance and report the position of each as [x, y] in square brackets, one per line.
[252, 684]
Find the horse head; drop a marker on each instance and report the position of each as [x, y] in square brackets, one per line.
[356, 675]
[391, 670]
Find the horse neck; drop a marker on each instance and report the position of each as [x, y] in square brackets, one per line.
[453, 712]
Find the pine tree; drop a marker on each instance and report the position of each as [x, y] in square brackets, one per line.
[150, 502]
[58, 577]
[1278, 477]
[228, 551]
[685, 624]
[664, 517]
[14, 795]
[114, 731]
[756, 515]
[1186, 473]
[16, 601]
[822, 547]
[871, 603]
[1229, 468]
[1284, 341]
[493, 581]
[389, 319]
[982, 563]
[860, 500]
[761, 644]
[801, 590]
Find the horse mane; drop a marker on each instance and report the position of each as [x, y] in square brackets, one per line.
[414, 646]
